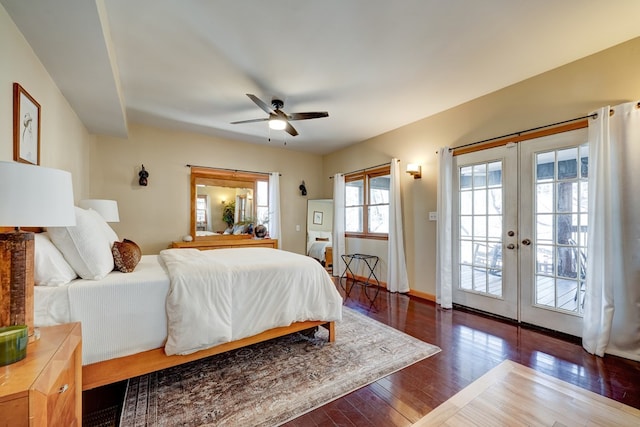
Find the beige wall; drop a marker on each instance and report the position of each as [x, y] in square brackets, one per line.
[106, 167]
[607, 78]
[158, 214]
[64, 141]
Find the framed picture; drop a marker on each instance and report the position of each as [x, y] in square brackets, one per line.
[26, 127]
[317, 217]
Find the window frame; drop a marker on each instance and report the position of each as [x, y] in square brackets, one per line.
[366, 176]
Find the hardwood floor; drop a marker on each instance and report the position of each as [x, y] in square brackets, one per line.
[472, 344]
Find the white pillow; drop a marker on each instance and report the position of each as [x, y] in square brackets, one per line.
[85, 246]
[106, 229]
[51, 269]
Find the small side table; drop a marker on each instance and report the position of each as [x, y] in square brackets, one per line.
[371, 261]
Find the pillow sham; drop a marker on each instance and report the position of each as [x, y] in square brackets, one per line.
[126, 255]
[105, 228]
[50, 267]
[85, 246]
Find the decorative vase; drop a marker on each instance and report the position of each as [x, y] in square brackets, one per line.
[261, 231]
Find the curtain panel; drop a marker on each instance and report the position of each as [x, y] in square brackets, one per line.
[338, 224]
[612, 298]
[444, 251]
[397, 279]
[274, 206]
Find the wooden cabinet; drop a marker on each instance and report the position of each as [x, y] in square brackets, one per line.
[45, 388]
[328, 256]
[227, 243]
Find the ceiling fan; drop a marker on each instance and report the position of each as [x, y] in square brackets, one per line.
[278, 119]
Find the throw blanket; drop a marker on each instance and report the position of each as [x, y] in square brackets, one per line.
[224, 295]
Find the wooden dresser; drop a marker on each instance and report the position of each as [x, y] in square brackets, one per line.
[45, 388]
[230, 243]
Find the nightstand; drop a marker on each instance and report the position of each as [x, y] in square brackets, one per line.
[45, 388]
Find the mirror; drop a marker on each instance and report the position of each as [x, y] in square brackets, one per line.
[225, 204]
[319, 228]
[218, 208]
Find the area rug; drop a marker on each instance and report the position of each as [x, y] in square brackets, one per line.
[272, 382]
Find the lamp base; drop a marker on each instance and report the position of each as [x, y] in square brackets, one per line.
[16, 279]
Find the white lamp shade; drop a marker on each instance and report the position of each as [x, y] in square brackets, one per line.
[413, 168]
[108, 209]
[35, 196]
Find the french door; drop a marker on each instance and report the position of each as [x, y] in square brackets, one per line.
[520, 226]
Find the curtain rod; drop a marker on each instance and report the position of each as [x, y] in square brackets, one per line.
[227, 169]
[365, 169]
[523, 131]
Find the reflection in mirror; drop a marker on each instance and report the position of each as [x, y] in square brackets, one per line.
[227, 203]
[319, 229]
[219, 208]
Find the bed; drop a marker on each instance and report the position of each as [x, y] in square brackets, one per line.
[132, 321]
[317, 244]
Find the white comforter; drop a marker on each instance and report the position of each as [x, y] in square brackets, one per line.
[227, 294]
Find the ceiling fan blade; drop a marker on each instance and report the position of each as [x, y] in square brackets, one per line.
[260, 103]
[250, 121]
[310, 115]
[291, 130]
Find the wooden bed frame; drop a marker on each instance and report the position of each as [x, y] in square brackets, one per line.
[122, 368]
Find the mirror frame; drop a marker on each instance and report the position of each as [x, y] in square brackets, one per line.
[221, 178]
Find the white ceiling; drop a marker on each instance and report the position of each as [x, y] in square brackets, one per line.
[374, 65]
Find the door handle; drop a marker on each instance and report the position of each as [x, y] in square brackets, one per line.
[511, 246]
[526, 242]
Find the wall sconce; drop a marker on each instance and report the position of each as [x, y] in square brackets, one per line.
[415, 170]
[143, 174]
[303, 189]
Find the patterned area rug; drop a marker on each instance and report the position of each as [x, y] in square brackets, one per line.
[273, 382]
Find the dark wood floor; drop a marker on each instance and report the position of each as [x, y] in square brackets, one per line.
[471, 345]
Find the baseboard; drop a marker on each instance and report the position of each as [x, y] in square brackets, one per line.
[422, 295]
[363, 279]
[412, 292]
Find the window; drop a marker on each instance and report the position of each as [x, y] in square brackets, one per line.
[201, 213]
[262, 202]
[367, 203]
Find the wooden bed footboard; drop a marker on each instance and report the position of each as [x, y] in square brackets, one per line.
[122, 368]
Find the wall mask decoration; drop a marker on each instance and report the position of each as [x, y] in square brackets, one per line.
[144, 175]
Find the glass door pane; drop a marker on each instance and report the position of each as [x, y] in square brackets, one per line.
[560, 228]
[480, 220]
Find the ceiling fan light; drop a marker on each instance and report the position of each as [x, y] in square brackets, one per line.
[277, 124]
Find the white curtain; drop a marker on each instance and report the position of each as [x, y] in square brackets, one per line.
[612, 298]
[338, 224]
[274, 206]
[397, 280]
[444, 251]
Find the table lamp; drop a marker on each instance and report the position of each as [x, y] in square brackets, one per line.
[30, 196]
[108, 209]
